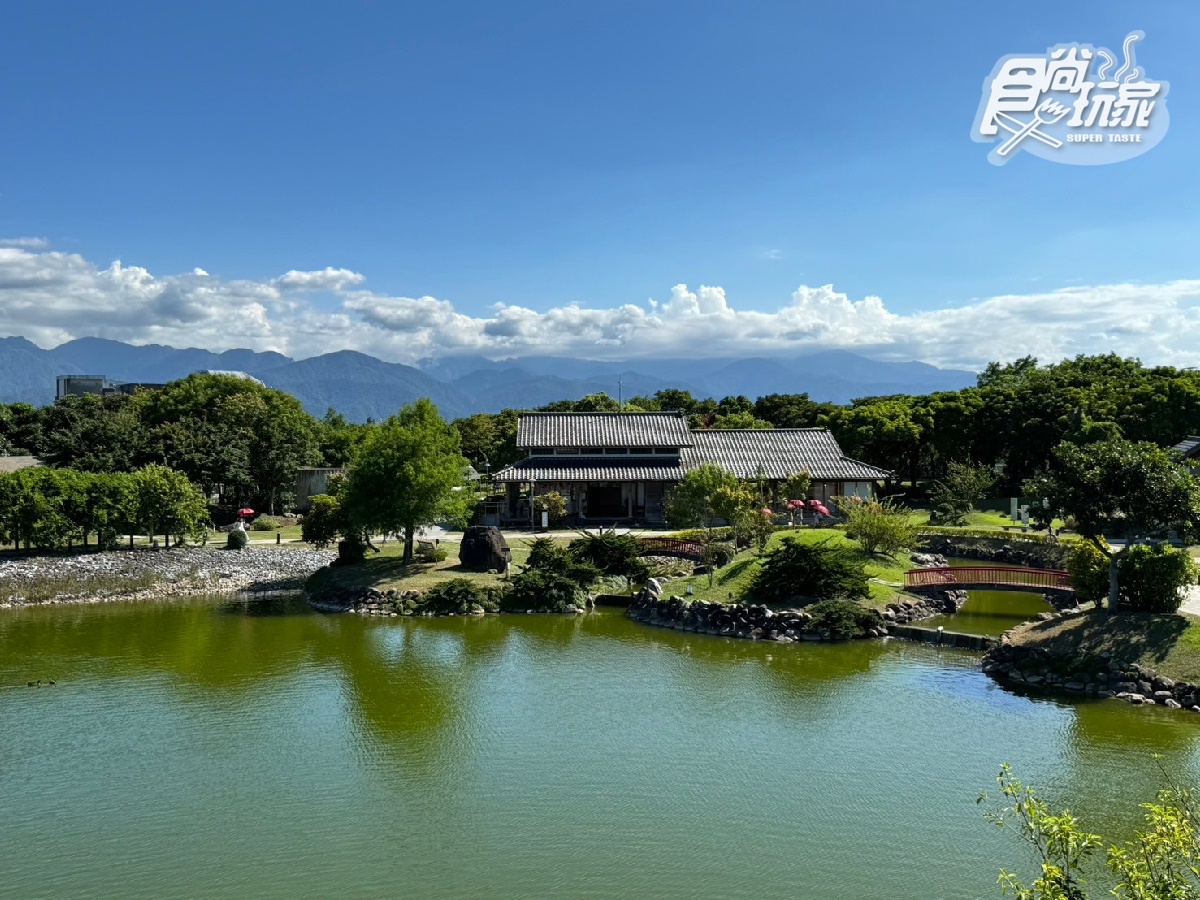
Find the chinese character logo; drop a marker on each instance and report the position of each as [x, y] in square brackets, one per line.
[1070, 106]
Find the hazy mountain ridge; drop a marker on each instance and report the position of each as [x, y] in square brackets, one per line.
[361, 386]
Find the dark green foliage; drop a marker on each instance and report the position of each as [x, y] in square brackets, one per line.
[351, 551]
[841, 619]
[541, 590]
[325, 522]
[1089, 572]
[456, 595]
[815, 571]
[1152, 578]
[959, 492]
[50, 509]
[237, 540]
[432, 555]
[611, 554]
[404, 476]
[549, 557]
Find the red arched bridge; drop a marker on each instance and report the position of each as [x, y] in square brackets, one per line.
[989, 578]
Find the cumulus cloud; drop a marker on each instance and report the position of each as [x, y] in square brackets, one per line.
[51, 297]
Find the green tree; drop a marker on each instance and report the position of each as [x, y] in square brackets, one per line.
[234, 433]
[823, 571]
[960, 491]
[165, 502]
[405, 474]
[878, 526]
[1134, 491]
[707, 492]
[325, 522]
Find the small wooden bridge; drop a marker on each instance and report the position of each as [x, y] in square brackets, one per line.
[989, 578]
[653, 546]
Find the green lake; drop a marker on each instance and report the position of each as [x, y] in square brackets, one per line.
[234, 749]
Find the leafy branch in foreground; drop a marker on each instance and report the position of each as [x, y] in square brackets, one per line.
[1161, 862]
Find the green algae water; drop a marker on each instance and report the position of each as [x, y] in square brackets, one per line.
[991, 612]
[229, 749]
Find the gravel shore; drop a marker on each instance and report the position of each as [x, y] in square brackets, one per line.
[152, 574]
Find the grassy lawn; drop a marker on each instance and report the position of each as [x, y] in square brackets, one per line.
[735, 578]
[1168, 643]
[386, 570]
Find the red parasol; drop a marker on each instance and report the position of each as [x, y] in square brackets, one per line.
[245, 512]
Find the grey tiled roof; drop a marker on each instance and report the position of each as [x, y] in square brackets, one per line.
[603, 430]
[779, 452]
[592, 468]
[1189, 446]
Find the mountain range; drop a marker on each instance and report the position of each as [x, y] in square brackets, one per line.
[361, 386]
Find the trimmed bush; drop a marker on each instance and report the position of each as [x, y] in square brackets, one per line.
[237, 540]
[1152, 578]
[1088, 568]
[455, 595]
[542, 591]
[552, 558]
[437, 554]
[842, 619]
[264, 523]
[816, 571]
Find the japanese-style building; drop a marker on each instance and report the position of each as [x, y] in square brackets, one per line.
[619, 466]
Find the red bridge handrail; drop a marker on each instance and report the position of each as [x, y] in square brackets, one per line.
[982, 576]
[672, 547]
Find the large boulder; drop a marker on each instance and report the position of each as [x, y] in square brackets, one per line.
[483, 547]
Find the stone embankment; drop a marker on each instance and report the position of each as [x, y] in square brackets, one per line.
[1103, 676]
[147, 574]
[1030, 554]
[752, 621]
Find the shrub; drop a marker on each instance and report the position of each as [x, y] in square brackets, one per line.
[841, 619]
[880, 527]
[432, 555]
[553, 504]
[324, 522]
[719, 554]
[552, 558]
[1088, 568]
[1151, 578]
[817, 571]
[455, 594]
[264, 523]
[611, 554]
[956, 495]
[237, 540]
[541, 590]
[351, 552]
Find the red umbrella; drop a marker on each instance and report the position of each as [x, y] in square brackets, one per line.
[245, 512]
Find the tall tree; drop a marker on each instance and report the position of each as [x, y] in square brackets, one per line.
[405, 473]
[1134, 491]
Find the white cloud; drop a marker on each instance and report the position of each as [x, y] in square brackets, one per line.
[327, 279]
[50, 297]
[25, 243]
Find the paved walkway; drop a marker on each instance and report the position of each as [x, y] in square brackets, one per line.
[1191, 601]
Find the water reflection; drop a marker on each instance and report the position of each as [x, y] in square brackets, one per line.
[524, 755]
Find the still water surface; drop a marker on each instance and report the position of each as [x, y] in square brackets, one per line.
[211, 749]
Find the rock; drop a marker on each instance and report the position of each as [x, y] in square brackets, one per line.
[1162, 697]
[1075, 686]
[483, 547]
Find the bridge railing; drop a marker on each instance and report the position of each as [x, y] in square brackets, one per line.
[1001, 576]
[672, 547]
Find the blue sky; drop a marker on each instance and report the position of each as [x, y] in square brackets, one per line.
[539, 155]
